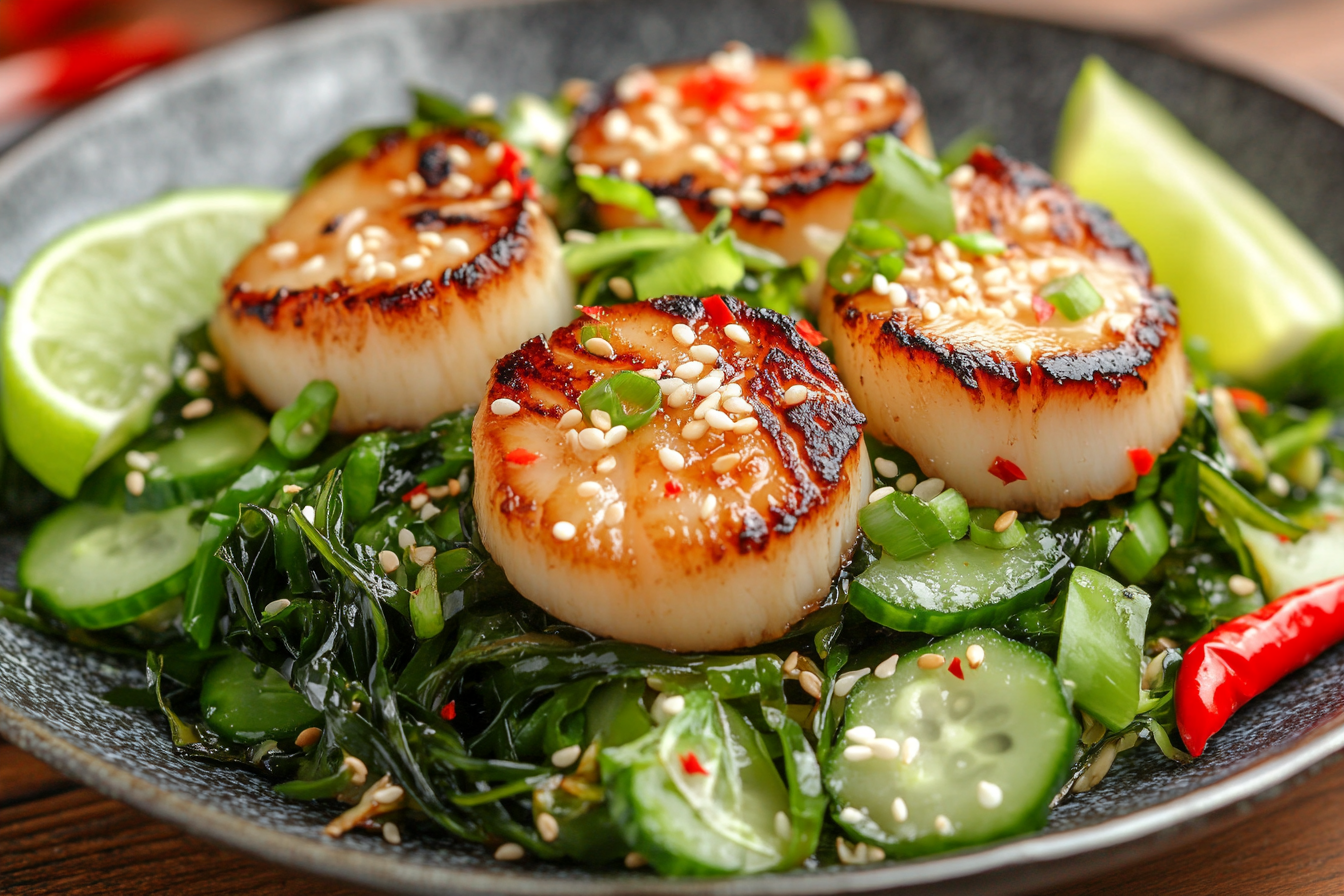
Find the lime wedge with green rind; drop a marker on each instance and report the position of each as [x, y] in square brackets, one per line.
[1248, 282]
[91, 322]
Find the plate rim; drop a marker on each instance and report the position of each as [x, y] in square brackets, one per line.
[1176, 821]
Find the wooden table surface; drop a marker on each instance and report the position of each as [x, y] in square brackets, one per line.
[57, 837]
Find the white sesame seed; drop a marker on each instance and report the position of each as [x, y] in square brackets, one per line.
[736, 405]
[810, 684]
[931, 310]
[858, 752]
[601, 419]
[722, 197]
[412, 262]
[691, 370]
[726, 462]
[975, 655]
[386, 796]
[909, 750]
[943, 825]
[197, 408]
[354, 247]
[588, 488]
[861, 734]
[887, 667]
[745, 426]
[139, 460]
[635, 860]
[429, 511]
[928, 661]
[783, 826]
[1034, 224]
[135, 483]
[899, 811]
[507, 407]
[385, 270]
[389, 561]
[845, 683]
[850, 815]
[885, 748]
[596, 345]
[548, 829]
[275, 606]
[681, 396]
[592, 438]
[1241, 585]
[566, 756]
[482, 104]
[650, 373]
[737, 333]
[310, 513]
[694, 430]
[569, 420]
[671, 459]
[616, 435]
[709, 383]
[430, 238]
[671, 384]
[283, 252]
[292, 489]
[391, 833]
[563, 531]
[796, 394]
[415, 184]
[510, 852]
[710, 403]
[196, 379]
[732, 390]
[718, 420]
[929, 489]
[313, 265]
[673, 704]
[1022, 352]
[614, 514]
[605, 465]
[683, 334]
[907, 483]
[850, 151]
[616, 126]
[989, 795]
[886, 468]
[630, 168]
[457, 248]
[502, 191]
[879, 493]
[753, 198]
[422, 555]
[405, 539]
[621, 288]
[359, 772]
[1005, 521]
[1120, 323]
[707, 354]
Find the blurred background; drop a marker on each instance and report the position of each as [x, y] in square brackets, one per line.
[56, 53]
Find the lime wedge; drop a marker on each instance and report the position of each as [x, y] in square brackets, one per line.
[92, 320]
[1247, 281]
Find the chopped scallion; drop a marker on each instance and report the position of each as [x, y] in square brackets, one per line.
[874, 236]
[629, 399]
[849, 271]
[300, 426]
[1074, 296]
[984, 534]
[907, 527]
[1144, 544]
[952, 510]
[978, 242]
[618, 246]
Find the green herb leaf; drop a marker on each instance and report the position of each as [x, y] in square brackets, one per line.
[829, 33]
[626, 194]
[614, 247]
[356, 145]
[978, 242]
[435, 110]
[955, 154]
[907, 190]
[702, 268]
[1074, 296]
[629, 399]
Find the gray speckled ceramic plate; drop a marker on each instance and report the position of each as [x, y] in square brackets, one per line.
[258, 111]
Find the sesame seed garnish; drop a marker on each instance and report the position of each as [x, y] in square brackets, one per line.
[391, 833]
[621, 288]
[457, 248]
[929, 489]
[1241, 585]
[673, 704]
[810, 684]
[880, 493]
[710, 403]
[510, 852]
[635, 860]
[615, 436]
[885, 748]
[614, 514]
[737, 333]
[887, 667]
[722, 197]
[899, 811]
[588, 489]
[693, 430]
[1120, 323]
[858, 752]
[708, 506]
[909, 750]
[197, 408]
[606, 464]
[563, 531]
[135, 483]
[1034, 224]
[196, 379]
[726, 462]
[783, 825]
[292, 489]
[683, 334]
[707, 354]
[482, 104]
[547, 827]
[790, 667]
[566, 756]
[1022, 352]
[429, 511]
[405, 539]
[506, 407]
[845, 683]
[743, 427]
[1005, 521]
[310, 513]
[989, 795]
[385, 270]
[283, 252]
[975, 655]
[275, 606]
[861, 734]
[671, 384]
[600, 347]
[307, 737]
[719, 420]
[753, 198]
[570, 419]
[931, 310]
[930, 660]
[907, 483]
[412, 262]
[354, 247]
[671, 459]
[616, 125]
[418, 501]
[691, 370]
[386, 796]
[600, 418]
[650, 373]
[795, 395]
[737, 405]
[592, 438]
[943, 825]
[850, 815]
[886, 468]
[389, 561]
[709, 383]
[422, 555]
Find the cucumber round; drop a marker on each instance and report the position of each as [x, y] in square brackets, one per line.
[208, 456]
[994, 746]
[248, 708]
[959, 585]
[95, 567]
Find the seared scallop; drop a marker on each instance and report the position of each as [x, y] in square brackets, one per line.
[963, 363]
[779, 142]
[401, 278]
[716, 524]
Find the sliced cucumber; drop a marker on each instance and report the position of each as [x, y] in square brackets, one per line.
[250, 708]
[700, 795]
[971, 758]
[206, 457]
[1101, 644]
[959, 585]
[1145, 542]
[95, 567]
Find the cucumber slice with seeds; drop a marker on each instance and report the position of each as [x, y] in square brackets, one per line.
[986, 749]
[95, 567]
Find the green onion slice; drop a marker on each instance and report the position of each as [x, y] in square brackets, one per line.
[1074, 296]
[874, 236]
[1144, 544]
[907, 527]
[627, 194]
[300, 426]
[906, 190]
[951, 508]
[849, 271]
[978, 242]
[983, 534]
[591, 331]
[629, 399]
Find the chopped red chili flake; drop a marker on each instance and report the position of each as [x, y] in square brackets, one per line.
[522, 457]
[449, 711]
[708, 87]
[690, 764]
[1246, 400]
[955, 668]
[1007, 471]
[596, 312]
[1043, 309]
[1142, 459]
[419, 489]
[673, 487]
[717, 310]
[791, 131]
[810, 333]
[814, 78]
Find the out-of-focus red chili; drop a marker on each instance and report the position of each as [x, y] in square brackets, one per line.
[1240, 659]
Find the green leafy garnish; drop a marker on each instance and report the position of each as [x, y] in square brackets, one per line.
[869, 248]
[628, 194]
[830, 33]
[956, 153]
[630, 400]
[906, 190]
[1074, 296]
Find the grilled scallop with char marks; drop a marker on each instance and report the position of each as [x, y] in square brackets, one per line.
[400, 277]
[781, 143]
[963, 363]
[715, 525]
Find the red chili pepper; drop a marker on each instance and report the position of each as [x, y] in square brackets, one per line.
[717, 311]
[1246, 400]
[420, 489]
[955, 668]
[510, 168]
[1240, 659]
[1042, 309]
[814, 78]
[1142, 459]
[522, 457]
[791, 131]
[673, 487]
[596, 312]
[708, 87]
[26, 22]
[449, 711]
[1007, 471]
[810, 333]
[690, 764]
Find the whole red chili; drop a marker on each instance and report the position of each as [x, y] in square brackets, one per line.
[690, 764]
[1142, 459]
[1240, 659]
[1007, 471]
